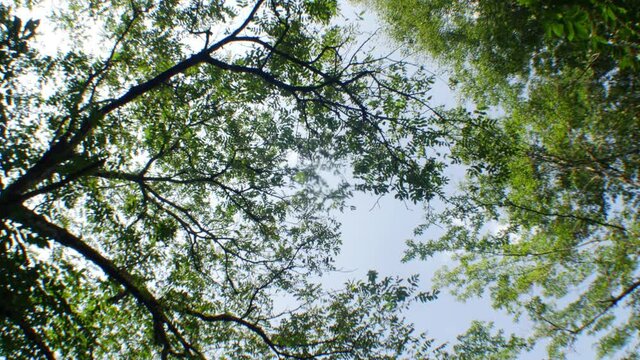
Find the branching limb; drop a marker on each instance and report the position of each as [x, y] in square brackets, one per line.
[28, 330]
[42, 226]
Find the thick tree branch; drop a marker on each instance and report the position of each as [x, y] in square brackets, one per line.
[30, 333]
[42, 226]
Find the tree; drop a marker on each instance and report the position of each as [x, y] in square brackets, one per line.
[162, 193]
[546, 223]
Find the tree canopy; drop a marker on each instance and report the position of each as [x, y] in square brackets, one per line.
[546, 223]
[163, 183]
[495, 47]
[162, 191]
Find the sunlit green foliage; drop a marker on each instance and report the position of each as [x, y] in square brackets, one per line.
[547, 222]
[494, 47]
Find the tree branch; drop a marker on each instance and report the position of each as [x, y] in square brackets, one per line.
[28, 330]
[42, 226]
[63, 148]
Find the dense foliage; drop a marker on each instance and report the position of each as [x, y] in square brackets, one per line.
[546, 223]
[495, 47]
[161, 189]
